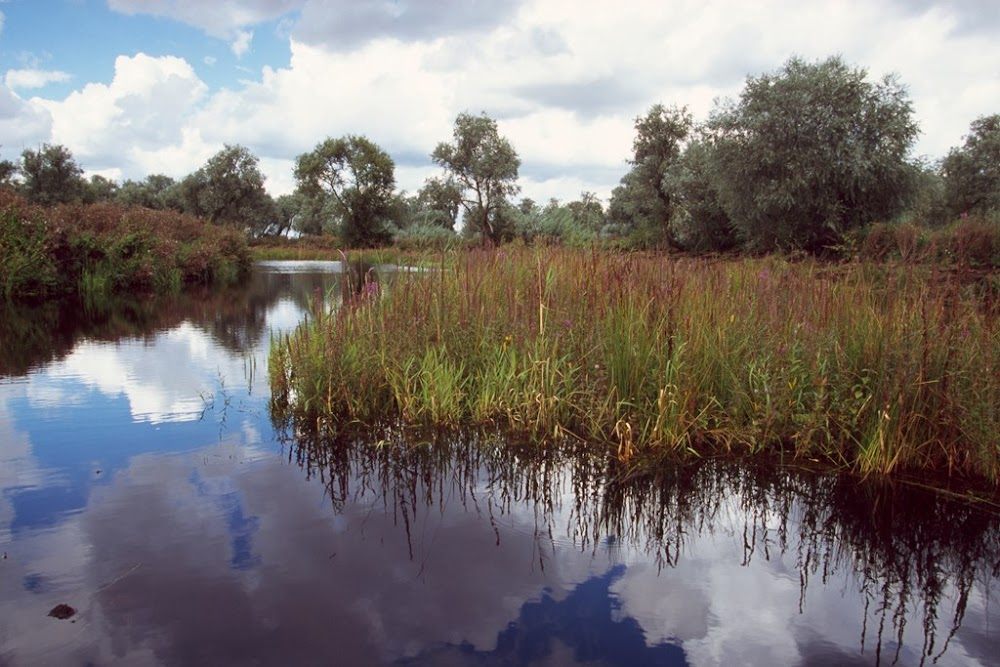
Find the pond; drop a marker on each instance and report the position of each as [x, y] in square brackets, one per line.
[151, 513]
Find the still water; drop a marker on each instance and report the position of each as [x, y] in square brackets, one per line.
[144, 485]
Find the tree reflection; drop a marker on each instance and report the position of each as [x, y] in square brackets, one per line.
[234, 317]
[909, 553]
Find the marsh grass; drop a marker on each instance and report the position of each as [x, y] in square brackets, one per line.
[867, 366]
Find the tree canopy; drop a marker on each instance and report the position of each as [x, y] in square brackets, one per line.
[972, 171]
[643, 204]
[485, 165]
[51, 175]
[357, 178]
[811, 151]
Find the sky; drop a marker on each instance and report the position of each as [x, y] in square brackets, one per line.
[137, 87]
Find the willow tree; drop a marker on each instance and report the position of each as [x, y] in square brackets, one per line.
[812, 151]
[972, 171]
[484, 165]
[355, 179]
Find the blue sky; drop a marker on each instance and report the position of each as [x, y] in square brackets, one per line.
[134, 87]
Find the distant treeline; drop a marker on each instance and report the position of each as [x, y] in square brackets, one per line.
[807, 158]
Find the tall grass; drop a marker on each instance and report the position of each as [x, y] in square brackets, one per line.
[100, 249]
[868, 366]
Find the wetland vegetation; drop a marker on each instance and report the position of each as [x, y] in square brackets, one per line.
[877, 368]
[96, 250]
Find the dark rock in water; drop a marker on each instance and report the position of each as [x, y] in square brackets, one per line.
[62, 611]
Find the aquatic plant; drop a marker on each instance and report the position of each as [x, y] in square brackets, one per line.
[869, 366]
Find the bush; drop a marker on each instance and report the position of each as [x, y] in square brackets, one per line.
[104, 247]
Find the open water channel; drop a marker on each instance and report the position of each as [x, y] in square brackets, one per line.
[147, 498]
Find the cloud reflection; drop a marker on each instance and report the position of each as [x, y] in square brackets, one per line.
[164, 384]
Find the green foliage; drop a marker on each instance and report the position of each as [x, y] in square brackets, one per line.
[229, 189]
[972, 172]
[643, 205]
[352, 178]
[699, 221]
[26, 269]
[484, 165]
[422, 236]
[8, 171]
[51, 175]
[98, 249]
[438, 203]
[573, 224]
[812, 151]
[157, 191]
[99, 188]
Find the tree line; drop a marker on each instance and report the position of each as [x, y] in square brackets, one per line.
[804, 157]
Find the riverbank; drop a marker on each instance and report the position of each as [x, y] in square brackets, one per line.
[97, 250]
[875, 367]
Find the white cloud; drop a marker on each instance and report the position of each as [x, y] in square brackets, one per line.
[160, 387]
[143, 110]
[565, 82]
[34, 78]
[241, 45]
[22, 124]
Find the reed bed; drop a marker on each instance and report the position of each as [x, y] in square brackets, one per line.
[866, 366]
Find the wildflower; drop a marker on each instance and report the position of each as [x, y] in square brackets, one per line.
[568, 323]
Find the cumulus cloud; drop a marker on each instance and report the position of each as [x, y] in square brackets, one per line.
[22, 124]
[144, 109]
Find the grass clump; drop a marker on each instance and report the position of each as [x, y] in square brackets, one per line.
[869, 366]
[99, 249]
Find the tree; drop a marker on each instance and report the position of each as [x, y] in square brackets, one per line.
[699, 222]
[8, 171]
[643, 204]
[51, 175]
[812, 151]
[485, 165]
[588, 213]
[358, 178]
[99, 188]
[288, 207]
[229, 189]
[972, 172]
[157, 191]
[439, 202]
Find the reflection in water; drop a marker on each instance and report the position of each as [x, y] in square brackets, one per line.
[237, 318]
[911, 558]
[143, 483]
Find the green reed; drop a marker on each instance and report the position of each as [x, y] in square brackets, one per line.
[873, 367]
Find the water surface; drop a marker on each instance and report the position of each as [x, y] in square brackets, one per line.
[143, 483]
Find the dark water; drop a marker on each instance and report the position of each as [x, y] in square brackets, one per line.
[143, 484]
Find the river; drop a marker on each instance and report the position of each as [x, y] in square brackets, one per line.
[153, 513]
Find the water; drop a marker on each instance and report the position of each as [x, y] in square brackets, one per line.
[143, 484]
